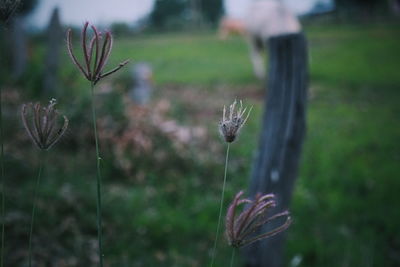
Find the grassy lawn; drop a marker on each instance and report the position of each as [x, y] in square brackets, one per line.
[163, 210]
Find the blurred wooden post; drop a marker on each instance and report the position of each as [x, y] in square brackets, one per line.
[52, 57]
[284, 121]
[140, 92]
[19, 46]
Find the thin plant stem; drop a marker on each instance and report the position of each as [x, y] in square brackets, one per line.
[42, 159]
[3, 189]
[233, 256]
[220, 206]
[98, 176]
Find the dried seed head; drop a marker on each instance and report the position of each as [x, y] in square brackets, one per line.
[240, 229]
[95, 56]
[230, 125]
[43, 124]
[7, 8]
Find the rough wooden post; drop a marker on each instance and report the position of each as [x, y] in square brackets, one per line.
[19, 46]
[275, 167]
[52, 57]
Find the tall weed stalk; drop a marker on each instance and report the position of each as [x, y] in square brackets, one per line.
[229, 128]
[232, 257]
[98, 179]
[220, 205]
[95, 57]
[44, 127]
[41, 164]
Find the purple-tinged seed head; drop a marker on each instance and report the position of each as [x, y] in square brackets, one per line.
[95, 55]
[240, 229]
[44, 125]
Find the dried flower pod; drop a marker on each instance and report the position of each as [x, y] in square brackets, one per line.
[94, 56]
[230, 125]
[43, 124]
[240, 229]
[7, 8]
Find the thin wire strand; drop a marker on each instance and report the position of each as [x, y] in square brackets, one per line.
[42, 159]
[98, 178]
[220, 206]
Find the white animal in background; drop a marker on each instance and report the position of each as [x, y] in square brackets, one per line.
[264, 19]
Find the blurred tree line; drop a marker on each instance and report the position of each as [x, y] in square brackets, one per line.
[367, 8]
[175, 14]
[183, 14]
[360, 3]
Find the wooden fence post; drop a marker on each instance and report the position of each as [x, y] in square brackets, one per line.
[52, 56]
[19, 47]
[283, 129]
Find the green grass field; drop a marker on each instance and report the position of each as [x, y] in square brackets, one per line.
[163, 212]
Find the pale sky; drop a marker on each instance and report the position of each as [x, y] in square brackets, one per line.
[76, 12]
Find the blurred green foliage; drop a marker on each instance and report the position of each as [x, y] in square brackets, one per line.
[184, 14]
[164, 212]
[164, 12]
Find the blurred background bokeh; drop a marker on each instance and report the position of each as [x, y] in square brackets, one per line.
[162, 156]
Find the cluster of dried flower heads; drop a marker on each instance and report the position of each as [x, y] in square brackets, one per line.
[45, 126]
[241, 229]
[41, 123]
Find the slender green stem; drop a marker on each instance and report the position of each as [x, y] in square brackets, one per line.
[220, 206]
[3, 189]
[233, 256]
[98, 176]
[42, 159]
